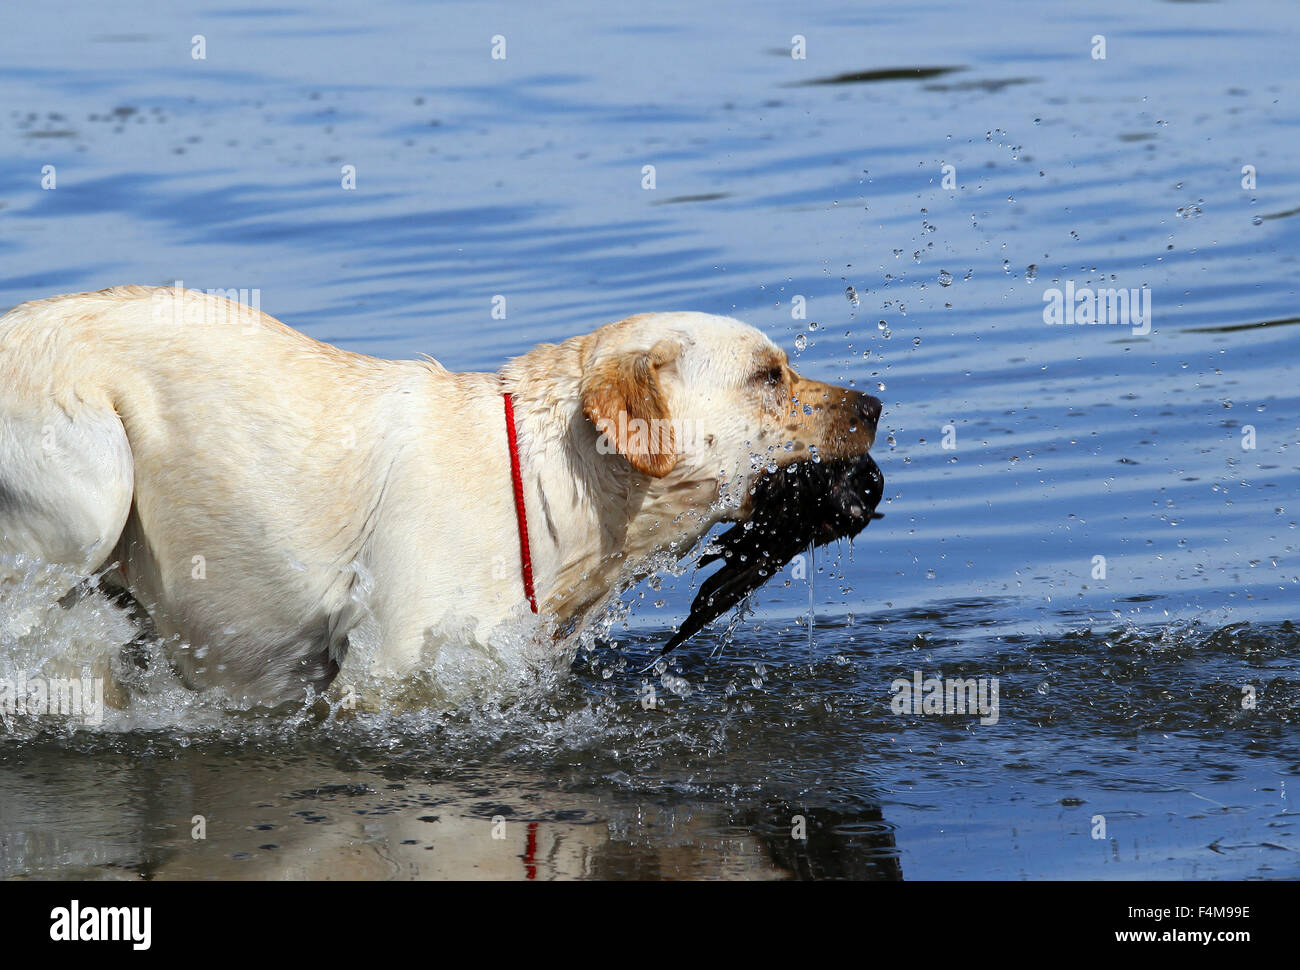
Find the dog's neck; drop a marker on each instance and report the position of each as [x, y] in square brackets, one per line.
[595, 523]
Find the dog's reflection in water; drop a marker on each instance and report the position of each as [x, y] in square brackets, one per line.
[304, 821]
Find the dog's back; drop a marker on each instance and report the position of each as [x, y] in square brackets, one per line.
[149, 428]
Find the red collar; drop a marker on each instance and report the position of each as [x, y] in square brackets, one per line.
[521, 517]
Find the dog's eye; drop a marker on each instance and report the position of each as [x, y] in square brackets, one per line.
[770, 375]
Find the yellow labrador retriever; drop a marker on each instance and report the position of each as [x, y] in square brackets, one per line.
[277, 504]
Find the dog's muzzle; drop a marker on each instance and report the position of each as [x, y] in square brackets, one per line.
[869, 408]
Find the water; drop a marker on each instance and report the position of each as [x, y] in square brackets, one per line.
[1121, 698]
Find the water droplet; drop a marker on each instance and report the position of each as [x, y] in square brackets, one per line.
[801, 342]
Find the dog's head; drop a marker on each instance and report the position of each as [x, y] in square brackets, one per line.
[707, 404]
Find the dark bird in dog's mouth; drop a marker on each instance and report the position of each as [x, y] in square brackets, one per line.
[807, 504]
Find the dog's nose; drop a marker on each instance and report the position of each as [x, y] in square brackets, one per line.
[869, 408]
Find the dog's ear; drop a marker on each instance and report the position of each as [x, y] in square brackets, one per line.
[623, 397]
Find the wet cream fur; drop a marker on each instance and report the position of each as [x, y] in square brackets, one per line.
[269, 498]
